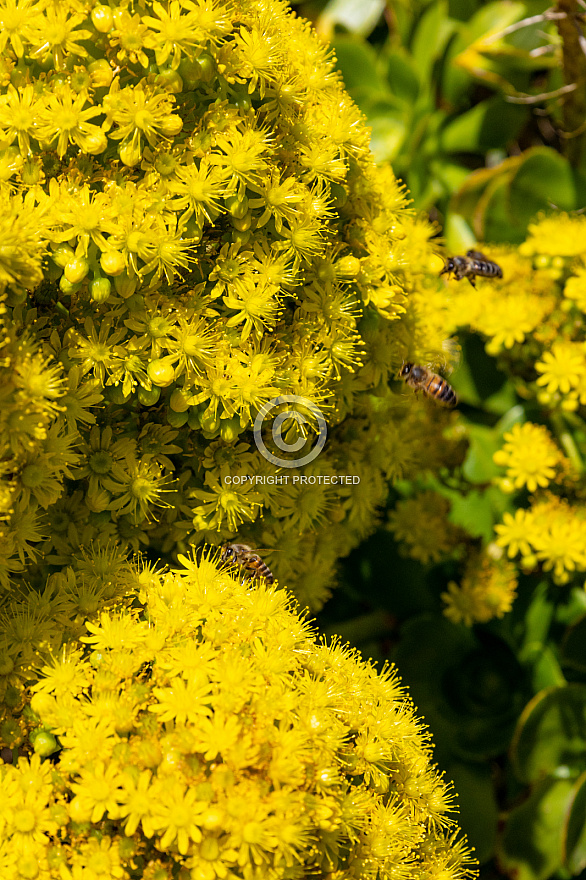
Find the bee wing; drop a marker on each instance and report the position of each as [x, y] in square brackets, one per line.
[446, 361]
[476, 255]
[453, 352]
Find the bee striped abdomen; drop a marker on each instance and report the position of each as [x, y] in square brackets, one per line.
[484, 267]
[473, 264]
[421, 379]
[488, 270]
[262, 570]
[249, 562]
[441, 391]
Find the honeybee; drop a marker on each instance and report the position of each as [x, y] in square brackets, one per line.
[245, 557]
[421, 379]
[473, 264]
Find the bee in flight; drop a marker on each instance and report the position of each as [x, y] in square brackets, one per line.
[421, 379]
[473, 264]
[249, 561]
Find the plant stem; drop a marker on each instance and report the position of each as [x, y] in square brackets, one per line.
[567, 442]
[574, 66]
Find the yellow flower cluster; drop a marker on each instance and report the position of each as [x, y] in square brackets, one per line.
[551, 532]
[215, 235]
[533, 320]
[487, 589]
[533, 317]
[510, 309]
[206, 734]
[531, 457]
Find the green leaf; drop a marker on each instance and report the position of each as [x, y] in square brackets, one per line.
[493, 17]
[357, 62]
[574, 646]
[574, 843]
[451, 175]
[388, 134]
[478, 814]
[402, 76]
[459, 235]
[550, 733]
[569, 612]
[514, 416]
[543, 179]
[493, 219]
[430, 38]
[500, 202]
[467, 197]
[530, 847]
[479, 466]
[487, 126]
[474, 513]
[538, 617]
[543, 665]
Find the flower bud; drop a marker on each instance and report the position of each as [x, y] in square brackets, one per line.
[130, 153]
[125, 285]
[102, 19]
[171, 125]
[149, 396]
[170, 81]
[76, 270]
[113, 262]
[101, 74]
[62, 254]
[161, 372]
[100, 289]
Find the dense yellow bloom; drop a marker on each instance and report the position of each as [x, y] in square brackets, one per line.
[530, 456]
[215, 236]
[552, 532]
[238, 764]
[559, 537]
[559, 235]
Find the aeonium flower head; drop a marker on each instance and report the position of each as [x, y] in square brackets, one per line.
[216, 235]
[228, 717]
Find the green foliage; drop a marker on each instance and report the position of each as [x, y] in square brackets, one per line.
[450, 89]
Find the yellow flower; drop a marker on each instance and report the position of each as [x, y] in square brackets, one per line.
[513, 532]
[562, 368]
[560, 235]
[69, 674]
[559, 537]
[251, 758]
[575, 288]
[64, 118]
[183, 700]
[96, 792]
[530, 456]
[512, 318]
